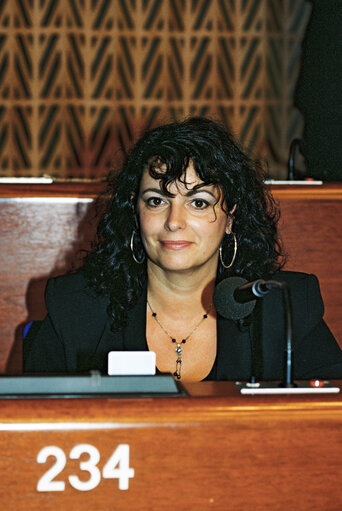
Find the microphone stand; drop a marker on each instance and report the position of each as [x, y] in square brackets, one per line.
[287, 383]
[288, 370]
[288, 363]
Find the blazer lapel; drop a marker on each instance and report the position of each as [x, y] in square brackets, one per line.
[233, 351]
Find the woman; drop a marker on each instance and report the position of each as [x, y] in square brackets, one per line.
[187, 210]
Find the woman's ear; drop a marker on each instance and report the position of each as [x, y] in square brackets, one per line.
[230, 219]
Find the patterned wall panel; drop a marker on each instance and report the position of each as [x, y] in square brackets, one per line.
[81, 79]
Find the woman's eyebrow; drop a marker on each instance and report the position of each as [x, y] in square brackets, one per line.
[190, 193]
[195, 191]
[154, 190]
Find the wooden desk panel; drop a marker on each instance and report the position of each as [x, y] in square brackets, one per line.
[310, 227]
[40, 238]
[221, 452]
[43, 228]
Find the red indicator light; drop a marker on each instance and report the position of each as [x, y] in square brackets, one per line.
[317, 383]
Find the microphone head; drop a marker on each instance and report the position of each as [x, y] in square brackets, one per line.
[224, 300]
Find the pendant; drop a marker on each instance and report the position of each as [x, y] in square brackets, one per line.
[179, 351]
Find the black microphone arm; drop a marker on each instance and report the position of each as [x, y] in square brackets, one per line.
[288, 321]
[252, 290]
[288, 376]
[235, 298]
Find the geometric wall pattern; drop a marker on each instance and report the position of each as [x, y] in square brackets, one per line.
[81, 79]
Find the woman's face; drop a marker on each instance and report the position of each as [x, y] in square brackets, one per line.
[182, 232]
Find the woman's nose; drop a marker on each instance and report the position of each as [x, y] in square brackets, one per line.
[176, 218]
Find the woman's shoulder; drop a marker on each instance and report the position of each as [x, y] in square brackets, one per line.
[304, 290]
[293, 276]
[68, 283]
[298, 281]
[71, 290]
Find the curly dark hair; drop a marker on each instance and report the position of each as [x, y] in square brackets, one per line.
[110, 269]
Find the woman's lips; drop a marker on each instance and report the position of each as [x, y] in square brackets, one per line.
[175, 245]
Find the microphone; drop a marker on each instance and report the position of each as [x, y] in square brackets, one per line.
[235, 297]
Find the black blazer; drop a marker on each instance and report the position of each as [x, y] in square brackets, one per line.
[76, 337]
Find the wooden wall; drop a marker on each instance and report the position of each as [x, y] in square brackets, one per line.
[79, 80]
[43, 227]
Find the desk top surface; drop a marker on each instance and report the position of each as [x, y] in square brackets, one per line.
[206, 401]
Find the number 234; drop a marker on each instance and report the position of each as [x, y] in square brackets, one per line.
[117, 467]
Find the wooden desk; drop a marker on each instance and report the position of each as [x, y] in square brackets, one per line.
[215, 450]
[43, 226]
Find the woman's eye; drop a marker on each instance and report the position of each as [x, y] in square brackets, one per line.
[154, 202]
[200, 203]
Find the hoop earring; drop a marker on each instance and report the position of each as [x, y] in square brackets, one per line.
[138, 261]
[234, 255]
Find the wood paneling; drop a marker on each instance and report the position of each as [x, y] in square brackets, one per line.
[311, 230]
[41, 236]
[81, 79]
[223, 452]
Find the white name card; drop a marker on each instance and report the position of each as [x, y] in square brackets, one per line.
[131, 363]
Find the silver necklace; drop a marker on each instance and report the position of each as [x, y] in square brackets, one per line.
[179, 349]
